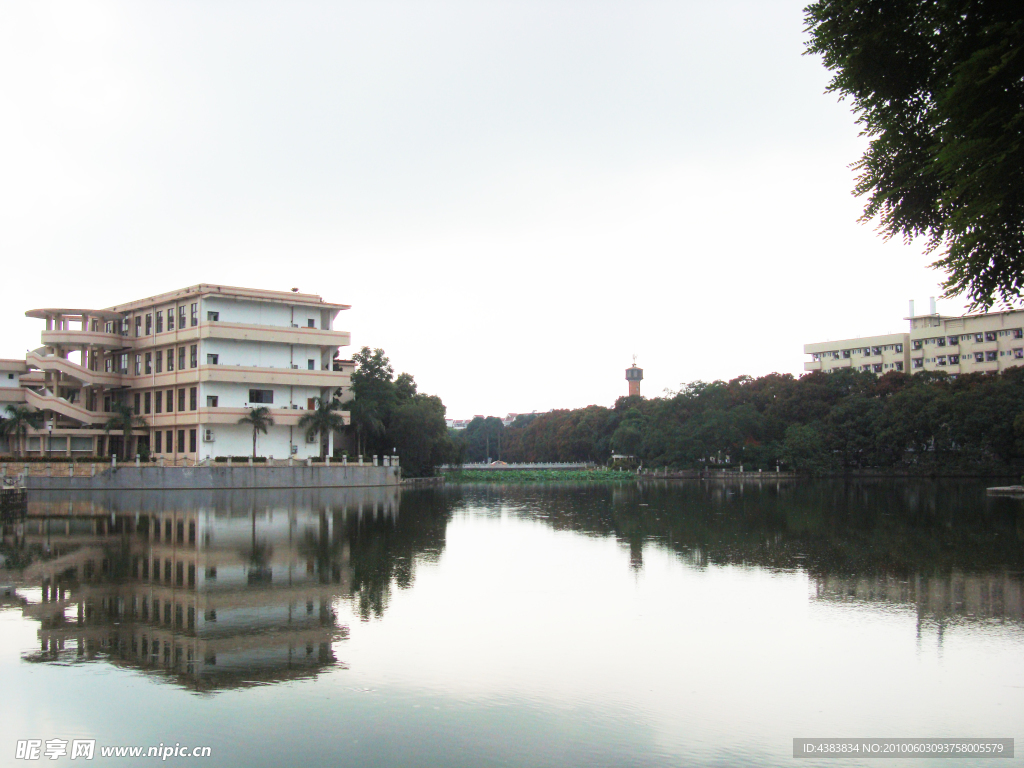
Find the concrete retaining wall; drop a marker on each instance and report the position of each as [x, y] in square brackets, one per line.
[192, 478]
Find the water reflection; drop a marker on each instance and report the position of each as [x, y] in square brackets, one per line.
[942, 547]
[222, 589]
[213, 590]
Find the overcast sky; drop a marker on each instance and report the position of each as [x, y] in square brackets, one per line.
[514, 197]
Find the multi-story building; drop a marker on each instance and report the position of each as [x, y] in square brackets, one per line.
[991, 341]
[877, 354]
[191, 363]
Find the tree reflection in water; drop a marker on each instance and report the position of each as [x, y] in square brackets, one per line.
[231, 589]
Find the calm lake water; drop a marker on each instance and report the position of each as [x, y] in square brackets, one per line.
[662, 625]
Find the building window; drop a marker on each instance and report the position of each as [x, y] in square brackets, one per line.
[181, 441]
[149, 362]
[109, 327]
[193, 395]
[261, 396]
[159, 322]
[149, 324]
[192, 441]
[990, 356]
[979, 357]
[147, 402]
[195, 316]
[211, 401]
[940, 360]
[138, 365]
[193, 356]
[952, 341]
[941, 341]
[181, 400]
[899, 347]
[1018, 354]
[899, 365]
[954, 359]
[106, 404]
[158, 402]
[170, 401]
[915, 344]
[138, 325]
[212, 359]
[917, 362]
[990, 335]
[170, 360]
[108, 365]
[170, 441]
[158, 438]
[311, 323]
[123, 364]
[170, 319]
[213, 317]
[138, 399]
[311, 364]
[181, 358]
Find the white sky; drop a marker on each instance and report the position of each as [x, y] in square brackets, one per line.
[515, 197]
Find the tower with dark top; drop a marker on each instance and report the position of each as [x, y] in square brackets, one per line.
[634, 376]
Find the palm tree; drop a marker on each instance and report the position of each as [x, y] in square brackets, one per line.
[322, 420]
[365, 420]
[19, 419]
[126, 420]
[259, 419]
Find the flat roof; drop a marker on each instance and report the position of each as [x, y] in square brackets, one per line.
[863, 341]
[101, 314]
[234, 292]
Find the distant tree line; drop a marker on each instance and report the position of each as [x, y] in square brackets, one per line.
[819, 423]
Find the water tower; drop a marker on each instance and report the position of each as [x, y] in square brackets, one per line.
[634, 376]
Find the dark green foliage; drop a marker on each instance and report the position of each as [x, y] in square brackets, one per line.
[820, 423]
[388, 414]
[938, 86]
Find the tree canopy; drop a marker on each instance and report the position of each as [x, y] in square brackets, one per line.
[938, 86]
[388, 413]
[818, 423]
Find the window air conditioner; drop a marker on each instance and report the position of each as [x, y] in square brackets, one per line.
[294, 365]
[208, 436]
[311, 438]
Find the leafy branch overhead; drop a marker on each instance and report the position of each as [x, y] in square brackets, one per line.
[938, 87]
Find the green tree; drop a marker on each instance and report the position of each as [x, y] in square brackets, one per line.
[322, 420]
[938, 86]
[15, 426]
[259, 419]
[365, 421]
[125, 420]
[419, 433]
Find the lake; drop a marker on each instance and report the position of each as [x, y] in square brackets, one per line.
[663, 624]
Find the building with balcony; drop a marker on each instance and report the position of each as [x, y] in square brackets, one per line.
[990, 341]
[191, 363]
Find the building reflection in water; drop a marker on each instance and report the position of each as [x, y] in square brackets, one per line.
[943, 598]
[209, 590]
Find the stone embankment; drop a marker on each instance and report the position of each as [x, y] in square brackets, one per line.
[206, 475]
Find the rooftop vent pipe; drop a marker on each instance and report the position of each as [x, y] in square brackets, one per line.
[931, 304]
[911, 308]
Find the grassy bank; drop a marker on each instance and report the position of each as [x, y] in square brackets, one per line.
[538, 476]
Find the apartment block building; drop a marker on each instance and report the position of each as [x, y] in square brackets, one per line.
[191, 363]
[990, 341]
[876, 354]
